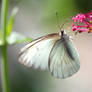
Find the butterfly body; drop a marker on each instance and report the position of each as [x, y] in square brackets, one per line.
[54, 52]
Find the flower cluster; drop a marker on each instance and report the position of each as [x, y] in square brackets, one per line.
[83, 23]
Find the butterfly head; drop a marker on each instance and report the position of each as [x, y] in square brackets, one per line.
[63, 34]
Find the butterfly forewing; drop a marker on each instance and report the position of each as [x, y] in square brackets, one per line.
[64, 59]
[36, 53]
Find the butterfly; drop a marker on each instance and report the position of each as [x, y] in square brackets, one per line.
[53, 52]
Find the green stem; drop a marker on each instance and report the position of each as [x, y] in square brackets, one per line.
[5, 83]
[4, 14]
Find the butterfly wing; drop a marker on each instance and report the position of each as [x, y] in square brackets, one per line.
[36, 53]
[64, 59]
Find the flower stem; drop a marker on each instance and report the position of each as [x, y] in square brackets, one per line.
[4, 14]
[4, 65]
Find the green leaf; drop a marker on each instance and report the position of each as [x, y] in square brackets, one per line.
[11, 21]
[24, 40]
[16, 38]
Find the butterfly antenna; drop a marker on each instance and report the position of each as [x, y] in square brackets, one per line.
[57, 19]
[61, 27]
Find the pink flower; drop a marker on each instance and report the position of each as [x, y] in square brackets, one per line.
[80, 18]
[84, 23]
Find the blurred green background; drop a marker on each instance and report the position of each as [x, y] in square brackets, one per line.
[34, 19]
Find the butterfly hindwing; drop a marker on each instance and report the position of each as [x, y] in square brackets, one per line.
[36, 53]
[64, 59]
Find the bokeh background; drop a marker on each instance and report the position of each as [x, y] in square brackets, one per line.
[34, 19]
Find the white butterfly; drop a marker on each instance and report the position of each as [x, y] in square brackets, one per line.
[54, 52]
